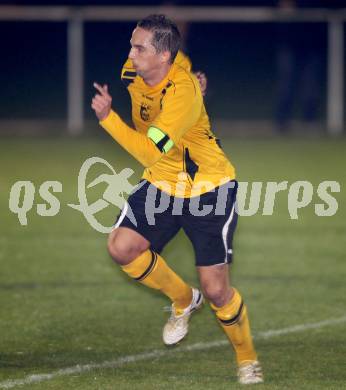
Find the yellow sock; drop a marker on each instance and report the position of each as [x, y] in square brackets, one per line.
[234, 321]
[150, 269]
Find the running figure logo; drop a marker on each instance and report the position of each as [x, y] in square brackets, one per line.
[117, 185]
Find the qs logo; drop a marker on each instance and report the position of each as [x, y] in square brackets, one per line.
[22, 195]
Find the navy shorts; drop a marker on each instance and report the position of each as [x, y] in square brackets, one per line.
[209, 220]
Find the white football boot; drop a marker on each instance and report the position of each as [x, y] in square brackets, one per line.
[177, 326]
[250, 373]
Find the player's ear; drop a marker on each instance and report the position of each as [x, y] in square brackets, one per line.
[165, 56]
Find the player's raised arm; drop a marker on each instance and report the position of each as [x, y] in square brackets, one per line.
[138, 145]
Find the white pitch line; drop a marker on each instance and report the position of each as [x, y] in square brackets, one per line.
[78, 369]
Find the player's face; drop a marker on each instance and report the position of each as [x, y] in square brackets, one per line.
[143, 54]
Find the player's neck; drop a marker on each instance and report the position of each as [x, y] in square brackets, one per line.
[157, 75]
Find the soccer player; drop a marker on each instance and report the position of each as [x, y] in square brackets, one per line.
[186, 167]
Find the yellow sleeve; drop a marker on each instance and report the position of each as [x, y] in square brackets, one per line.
[181, 108]
[138, 145]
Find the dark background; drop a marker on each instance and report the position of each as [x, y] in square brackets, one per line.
[240, 60]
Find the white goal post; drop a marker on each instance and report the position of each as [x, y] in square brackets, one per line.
[76, 16]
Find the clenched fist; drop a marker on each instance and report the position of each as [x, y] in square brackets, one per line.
[202, 79]
[101, 103]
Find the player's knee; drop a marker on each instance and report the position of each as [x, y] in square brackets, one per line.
[215, 293]
[122, 250]
[117, 250]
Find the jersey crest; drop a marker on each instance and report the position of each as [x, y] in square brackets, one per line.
[145, 111]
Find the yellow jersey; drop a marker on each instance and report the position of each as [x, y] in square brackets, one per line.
[195, 163]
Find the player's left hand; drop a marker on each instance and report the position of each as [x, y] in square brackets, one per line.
[101, 103]
[202, 79]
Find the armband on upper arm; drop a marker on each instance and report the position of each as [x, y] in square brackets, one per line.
[160, 139]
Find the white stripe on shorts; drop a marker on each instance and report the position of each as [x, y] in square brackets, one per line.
[122, 216]
[225, 233]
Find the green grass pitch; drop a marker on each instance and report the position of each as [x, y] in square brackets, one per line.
[64, 303]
